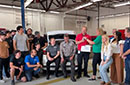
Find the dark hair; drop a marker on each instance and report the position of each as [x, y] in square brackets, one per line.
[32, 51]
[29, 29]
[19, 27]
[118, 34]
[36, 33]
[17, 51]
[66, 35]
[37, 43]
[128, 29]
[7, 32]
[52, 38]
[105, 32]
[13, 31]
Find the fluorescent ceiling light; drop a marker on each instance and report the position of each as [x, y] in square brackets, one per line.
[27, 3]
[96, 0]
[122, 4]
[79, 7]
[54, 12]
[16, 7]
[37, 10]
[82, 6]
[5, 6]
[113, 15]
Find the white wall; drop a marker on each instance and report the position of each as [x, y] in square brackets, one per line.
[11, 18]
[44, 22]
[110, 23]
[70, 23]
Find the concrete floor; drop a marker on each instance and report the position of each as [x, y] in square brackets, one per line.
[59, 81]
[55, 81]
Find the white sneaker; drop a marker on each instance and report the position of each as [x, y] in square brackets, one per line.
[7, 78]
[2, 81]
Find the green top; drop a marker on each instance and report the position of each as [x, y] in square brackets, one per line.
[97, 45]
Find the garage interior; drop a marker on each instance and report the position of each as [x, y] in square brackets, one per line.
[61, 14]
[51, 15]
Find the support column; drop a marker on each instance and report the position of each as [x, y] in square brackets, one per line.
[98, 14]
[23, 15]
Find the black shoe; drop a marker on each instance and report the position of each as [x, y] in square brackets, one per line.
[12, 82]
[65, 76]
[87, 76]
[78, 77]
[47, 77]
[56, 75]
[99, 77]
[73, 79]
[92, 79]
[36, 76]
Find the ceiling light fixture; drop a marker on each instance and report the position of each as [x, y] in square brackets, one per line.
[82, 6]
[96, 0]
[28, 2]
[16, 7]
[79, 7]
[122, 4]
[5, 6]
[54, 12]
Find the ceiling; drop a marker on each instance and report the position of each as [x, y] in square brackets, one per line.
[64, 5]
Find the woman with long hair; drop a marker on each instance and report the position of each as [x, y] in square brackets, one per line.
[106, 60]
[117, 70]
[97, 43]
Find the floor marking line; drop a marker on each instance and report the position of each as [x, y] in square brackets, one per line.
[57, 80]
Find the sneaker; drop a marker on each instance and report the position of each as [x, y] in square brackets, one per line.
[99, 77]
[65, 76]
[78, 77]
[108, 83]
[73, 79]
[56, 75]
[2, 81]
[36, 76]
[48, 77]
[102, 83]
[87, 76]
[12, 82]
[6, 78]
[92, 79]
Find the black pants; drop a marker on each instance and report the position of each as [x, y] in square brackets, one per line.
[96, 60]
[81, 56]
[63, 66]
[4, 63]
[57, 63]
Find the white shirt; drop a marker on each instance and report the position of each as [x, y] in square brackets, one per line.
[115, 46]
[107, 51]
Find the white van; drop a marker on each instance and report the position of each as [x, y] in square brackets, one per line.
[59, 36]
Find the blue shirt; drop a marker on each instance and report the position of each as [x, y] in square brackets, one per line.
[32, 61]
[127, 47]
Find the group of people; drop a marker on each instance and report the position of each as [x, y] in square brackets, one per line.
[21, 55]
[111, 52]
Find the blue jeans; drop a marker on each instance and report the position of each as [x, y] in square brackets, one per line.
[127, 69]
[103, 70]
[30, 73]
[4, 74]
